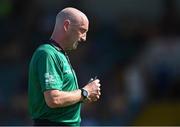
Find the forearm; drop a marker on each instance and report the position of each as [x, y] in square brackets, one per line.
[56, 98]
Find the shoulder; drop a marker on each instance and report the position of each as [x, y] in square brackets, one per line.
[47, 50]
[44, 49]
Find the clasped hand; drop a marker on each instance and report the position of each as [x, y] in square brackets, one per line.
[93, 89]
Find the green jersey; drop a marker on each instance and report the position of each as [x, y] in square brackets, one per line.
[50, 69]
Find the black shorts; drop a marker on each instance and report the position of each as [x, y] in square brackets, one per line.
[45, 122]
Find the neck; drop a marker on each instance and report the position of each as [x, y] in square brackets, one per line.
[58, 42]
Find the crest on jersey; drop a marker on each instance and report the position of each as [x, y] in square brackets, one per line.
[49, 79]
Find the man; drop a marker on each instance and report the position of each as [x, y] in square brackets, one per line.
[54, 96]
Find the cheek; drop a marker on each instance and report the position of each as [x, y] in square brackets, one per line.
[74, 35]
[77, 36]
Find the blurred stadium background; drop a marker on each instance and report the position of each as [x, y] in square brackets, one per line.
[133, 46]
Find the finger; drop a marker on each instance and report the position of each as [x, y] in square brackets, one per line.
[97, 81]
[99, 93]
[97, 96]
[89, 99]
[98, 85]
[98, 89]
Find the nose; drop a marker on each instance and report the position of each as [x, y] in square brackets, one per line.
[83, 38]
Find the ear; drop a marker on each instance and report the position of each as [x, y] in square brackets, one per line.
[66, 25]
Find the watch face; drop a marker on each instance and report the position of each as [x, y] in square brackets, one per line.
[85, 93]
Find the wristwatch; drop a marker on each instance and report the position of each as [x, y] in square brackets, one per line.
[84, 93]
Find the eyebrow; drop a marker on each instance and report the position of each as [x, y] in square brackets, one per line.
[83, 29]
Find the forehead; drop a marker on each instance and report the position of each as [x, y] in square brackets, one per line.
[80, 20]
[84, 23]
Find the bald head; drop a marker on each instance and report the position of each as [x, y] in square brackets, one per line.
[70, 28]
[74, 15]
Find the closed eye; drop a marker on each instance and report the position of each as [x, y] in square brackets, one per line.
[82, 30]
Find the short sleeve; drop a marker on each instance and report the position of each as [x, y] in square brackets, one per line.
[49, 76]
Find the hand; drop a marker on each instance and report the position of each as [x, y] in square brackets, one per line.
[93, 89]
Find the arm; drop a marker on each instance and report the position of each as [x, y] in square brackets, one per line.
[53, 95]
[56, 98]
